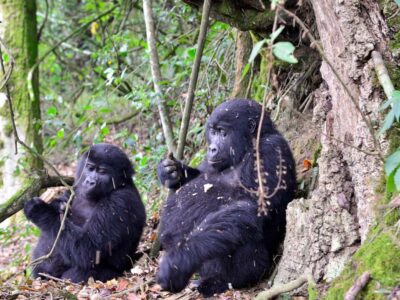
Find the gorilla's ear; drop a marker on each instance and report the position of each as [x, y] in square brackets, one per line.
[252, 125]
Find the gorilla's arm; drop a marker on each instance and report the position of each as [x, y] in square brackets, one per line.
[218, 235]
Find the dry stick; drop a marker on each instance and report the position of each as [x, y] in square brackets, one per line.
[352, 98]
[58, 279]
[193, 78]
[284, 288]
[156, 74]
[46, 16]
[261, 206]
[360, 283]
[382, 73]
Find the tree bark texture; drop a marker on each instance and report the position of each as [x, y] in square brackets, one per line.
[325, 230]
[18, 30]
[244, 44]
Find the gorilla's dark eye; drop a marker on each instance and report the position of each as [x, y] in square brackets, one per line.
[212, 131]
[102, 171]
[223, 132]
[90, 167]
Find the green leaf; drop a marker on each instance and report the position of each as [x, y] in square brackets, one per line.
[256, 49]
[245, 70]
[388, 122]
[60, 133]
[276, 33]
[397, 2]
[284, 51]
[392, 162]
[390, 185]
[191, 52]
[395, 95]
[6, 58]
[52, 111]
[385, 104]
[397, 179]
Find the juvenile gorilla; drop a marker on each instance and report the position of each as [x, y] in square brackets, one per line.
[104, 225]
[210, 223]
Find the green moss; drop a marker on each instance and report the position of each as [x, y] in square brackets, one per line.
[380, 257]
[312, 292]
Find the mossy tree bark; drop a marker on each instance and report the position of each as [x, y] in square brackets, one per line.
[18, 30]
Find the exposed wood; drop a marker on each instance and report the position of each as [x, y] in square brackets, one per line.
[244, 44]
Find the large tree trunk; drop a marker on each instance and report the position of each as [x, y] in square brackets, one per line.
[18, 30]
[324, 231]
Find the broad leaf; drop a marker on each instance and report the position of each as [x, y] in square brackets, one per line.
[388, 122]
[397, 2]
[245, 70]
[397, 179]
[276, 33]
[284, 51]
[256, 49]
[390, 185]
[392, 162]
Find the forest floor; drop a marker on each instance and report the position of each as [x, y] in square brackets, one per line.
[15, 248]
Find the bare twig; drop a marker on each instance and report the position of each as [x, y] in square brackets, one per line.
[58, 279]
[314, 42]
[39, 34]
[261, 186]
[193, 78]
[360, 283]
[284, 288]
[156, 74]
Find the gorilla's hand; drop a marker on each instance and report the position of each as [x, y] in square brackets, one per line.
[39, 212]
[34, 207]
[170, 172]
[59, 204]
[174, 272]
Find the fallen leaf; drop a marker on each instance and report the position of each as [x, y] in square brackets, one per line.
[307, 164]
[137, 270]
[122, 284]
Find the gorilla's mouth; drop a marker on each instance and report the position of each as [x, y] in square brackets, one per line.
[215, 161]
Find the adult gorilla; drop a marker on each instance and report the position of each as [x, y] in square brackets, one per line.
[104, 225]
[210, 223]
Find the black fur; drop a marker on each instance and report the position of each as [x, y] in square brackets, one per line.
[106, 220]
[210, 223]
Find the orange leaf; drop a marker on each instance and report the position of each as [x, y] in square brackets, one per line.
[307, 164]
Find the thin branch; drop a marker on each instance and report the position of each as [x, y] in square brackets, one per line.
[193, 78]
[156, 74]
[360, 283]
[39, 34]
[339, 78]
[58, 279]
[261, 191]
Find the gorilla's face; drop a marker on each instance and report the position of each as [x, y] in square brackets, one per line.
[96, 180]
